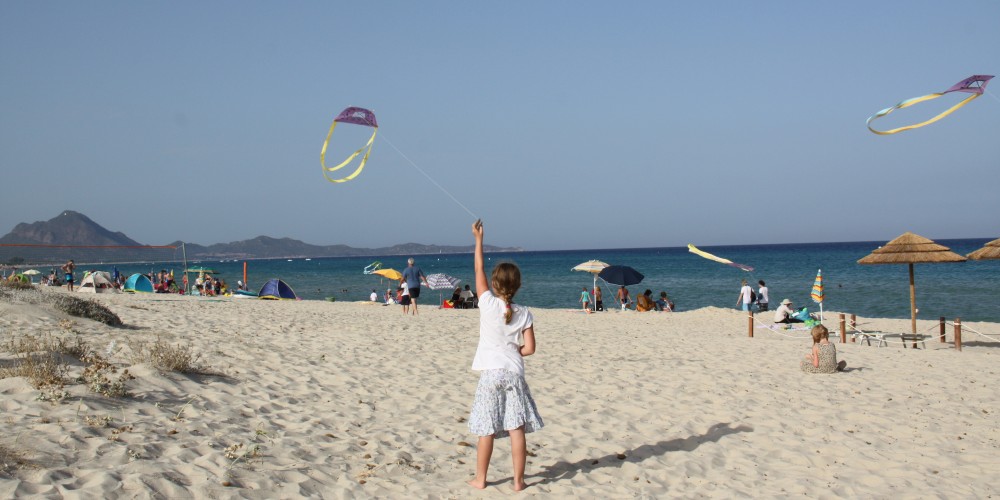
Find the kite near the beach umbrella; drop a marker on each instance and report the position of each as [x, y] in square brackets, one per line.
[353, 116]
[693, 249]
[974, 85]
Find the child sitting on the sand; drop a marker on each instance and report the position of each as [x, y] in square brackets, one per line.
[503, 405]
[823, 357]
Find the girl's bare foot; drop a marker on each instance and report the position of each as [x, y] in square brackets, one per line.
[475, 483]
[519, 486]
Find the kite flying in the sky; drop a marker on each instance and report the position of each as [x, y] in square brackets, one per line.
[974, 85]
[354, 116]
[693, 249]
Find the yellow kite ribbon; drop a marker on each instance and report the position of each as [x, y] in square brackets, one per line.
[910, 102]
[364, 159]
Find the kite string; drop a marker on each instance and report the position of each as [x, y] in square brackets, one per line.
[445, 191]
[992, 95]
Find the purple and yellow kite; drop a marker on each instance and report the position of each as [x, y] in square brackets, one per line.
[974, 85]
[354, 116]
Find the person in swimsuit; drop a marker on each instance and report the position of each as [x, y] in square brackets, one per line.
[68, 270]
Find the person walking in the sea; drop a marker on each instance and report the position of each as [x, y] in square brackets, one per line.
[67, 269]
[503, 405]
[413, 276]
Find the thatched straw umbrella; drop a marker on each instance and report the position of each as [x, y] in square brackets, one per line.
[991, 251]
[909, 249]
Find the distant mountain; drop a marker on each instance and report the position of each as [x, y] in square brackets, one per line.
[73, 228]
[264, 247]
[67, 228]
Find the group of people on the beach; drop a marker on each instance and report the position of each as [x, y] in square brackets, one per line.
[748, 297]
[643, 303]
[407, 292]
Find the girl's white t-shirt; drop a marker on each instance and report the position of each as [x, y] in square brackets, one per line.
[499, 342]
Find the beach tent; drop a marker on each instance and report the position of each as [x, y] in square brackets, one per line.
[138, 283]
[276, 289]
[97, 282]
[19, 277]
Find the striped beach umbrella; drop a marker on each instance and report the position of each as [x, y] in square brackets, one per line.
[817, 292]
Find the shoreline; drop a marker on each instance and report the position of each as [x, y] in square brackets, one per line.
[353, 398]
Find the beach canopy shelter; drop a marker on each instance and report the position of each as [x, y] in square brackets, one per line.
[96, 282]
[276, 289]
[911, 249]
[990, 251]
[138, 283]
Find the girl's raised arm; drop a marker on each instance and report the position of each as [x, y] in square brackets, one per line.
[482, 284]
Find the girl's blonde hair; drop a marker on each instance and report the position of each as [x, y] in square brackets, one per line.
[819, 332]
[506, 280]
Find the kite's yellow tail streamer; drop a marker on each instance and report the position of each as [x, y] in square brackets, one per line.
[364, 159]
[910, 102]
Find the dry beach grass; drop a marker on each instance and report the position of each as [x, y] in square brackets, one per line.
[230, 398]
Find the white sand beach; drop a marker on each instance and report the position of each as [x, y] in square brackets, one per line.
[356, 400]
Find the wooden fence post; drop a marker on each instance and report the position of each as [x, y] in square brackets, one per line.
[843, 328]
[958, 334]
[750, 323]
[941, 333]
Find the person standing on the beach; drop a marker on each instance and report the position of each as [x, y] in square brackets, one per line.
[503, 405]
[598, 299]
[585, 300]
[404, 298]
[623, 297]
[413, 276]
[745, 297]
[68, 270]
[762, 296]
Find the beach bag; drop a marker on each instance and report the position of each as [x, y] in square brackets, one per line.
[753, 297]
[802, 315]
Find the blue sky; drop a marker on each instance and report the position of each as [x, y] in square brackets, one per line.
[562, 124]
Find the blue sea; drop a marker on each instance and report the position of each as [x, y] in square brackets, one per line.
[967, 290]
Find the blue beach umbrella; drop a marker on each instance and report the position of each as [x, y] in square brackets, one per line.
[621, 275]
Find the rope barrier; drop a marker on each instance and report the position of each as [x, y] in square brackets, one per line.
[775, 329]
[879, 336]
[965, 328]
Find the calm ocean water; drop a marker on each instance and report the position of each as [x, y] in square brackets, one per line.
[967, 290]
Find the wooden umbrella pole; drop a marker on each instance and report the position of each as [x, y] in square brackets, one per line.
[913, 304]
